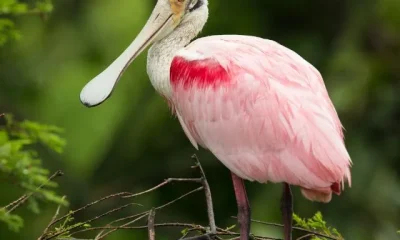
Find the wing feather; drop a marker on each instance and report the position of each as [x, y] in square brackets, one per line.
[262, 110]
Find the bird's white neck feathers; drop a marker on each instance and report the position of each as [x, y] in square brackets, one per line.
[162, 52]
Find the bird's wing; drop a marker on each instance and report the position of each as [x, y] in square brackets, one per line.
[261, 109]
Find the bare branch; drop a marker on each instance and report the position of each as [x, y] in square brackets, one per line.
[207, 191]
[19, 200]
[51, 222]
[93, 219]
[17, 203]
[306, 236]
[124, 225]
[89, 205]
[166, 181]
[150, 224]
[160, 207]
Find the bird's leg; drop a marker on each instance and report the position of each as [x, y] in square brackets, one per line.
[287, 211]
[243, 207]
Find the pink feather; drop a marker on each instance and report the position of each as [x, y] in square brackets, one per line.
[263, 111]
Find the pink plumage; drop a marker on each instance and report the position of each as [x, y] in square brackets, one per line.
[263, 111]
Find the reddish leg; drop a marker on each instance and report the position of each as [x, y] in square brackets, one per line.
[287, 211]
[243, 207]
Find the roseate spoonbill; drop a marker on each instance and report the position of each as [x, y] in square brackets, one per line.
[260, 108]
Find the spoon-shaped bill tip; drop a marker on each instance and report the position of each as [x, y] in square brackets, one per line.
[97, 90]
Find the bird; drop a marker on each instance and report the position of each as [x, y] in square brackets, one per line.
[259, 107]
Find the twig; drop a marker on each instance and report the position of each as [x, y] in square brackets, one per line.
[136, 216]
[93, 219]
[306, 236]
[17, 203]
[295, 228]
[201, 237]
[189, 230]
[166, 181]
[89, 205]
[20, 199]
[150, 224]
[160, 207]
[52, 220]
[207, 191]
[124, 225]
[187, 225]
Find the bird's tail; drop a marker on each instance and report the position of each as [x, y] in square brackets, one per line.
[317, 196]
[322, 195]
[325, 194]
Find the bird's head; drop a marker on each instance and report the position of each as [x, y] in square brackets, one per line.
[167, 16]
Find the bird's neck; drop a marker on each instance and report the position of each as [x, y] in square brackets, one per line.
[162, 53]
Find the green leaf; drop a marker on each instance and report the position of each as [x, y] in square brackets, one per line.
[10, 8]
[185, 231]
[317, 224]
[20, 164]
[14, 222]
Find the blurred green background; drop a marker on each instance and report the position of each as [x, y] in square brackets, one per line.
[132, 142]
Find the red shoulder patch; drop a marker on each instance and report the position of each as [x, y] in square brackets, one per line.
[197, 73]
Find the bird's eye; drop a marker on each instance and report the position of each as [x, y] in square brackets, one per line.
[194, 4]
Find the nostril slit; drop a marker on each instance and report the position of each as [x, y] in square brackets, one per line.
[157, 17]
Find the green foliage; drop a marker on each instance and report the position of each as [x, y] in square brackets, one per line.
[20, 165]
[11, 8]
[317, 224]
[64, 227]
[68, 225]
[14, 222]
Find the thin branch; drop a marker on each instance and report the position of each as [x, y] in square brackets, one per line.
[306, 236]
[17, 203]
[201, 237]
[207, 191]
[189, 230]
[89, 205]
[93, 219]
[124, 225]
[156, 225]
[160, 207]
[295, 228]
[150, 224]
[20, 199]
[166, 181]
[52, 220]
[179, 198]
